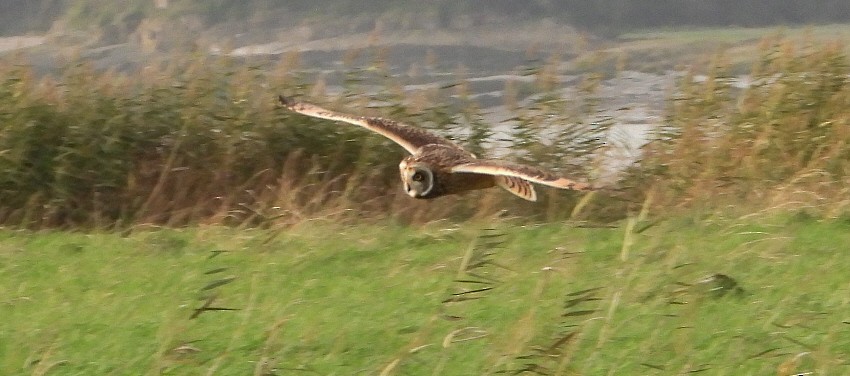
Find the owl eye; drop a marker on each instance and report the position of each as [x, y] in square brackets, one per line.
[417, 176]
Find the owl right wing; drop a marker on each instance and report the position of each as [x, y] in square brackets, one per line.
[517, 186]
[409, 137]
[507, 169]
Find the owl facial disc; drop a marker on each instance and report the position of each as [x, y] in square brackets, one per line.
[418, 179]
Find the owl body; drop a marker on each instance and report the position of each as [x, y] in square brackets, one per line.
[439, 167]
[439, 160]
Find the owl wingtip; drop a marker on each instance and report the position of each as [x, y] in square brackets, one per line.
[576, 186]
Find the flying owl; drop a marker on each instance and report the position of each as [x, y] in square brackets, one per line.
[439, 167]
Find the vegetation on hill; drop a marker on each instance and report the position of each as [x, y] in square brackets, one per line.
[607, 16]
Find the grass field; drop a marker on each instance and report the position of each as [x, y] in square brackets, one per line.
[709, 295]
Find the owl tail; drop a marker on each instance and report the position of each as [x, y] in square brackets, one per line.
[517, 186]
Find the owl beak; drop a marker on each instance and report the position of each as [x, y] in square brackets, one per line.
[409, 190]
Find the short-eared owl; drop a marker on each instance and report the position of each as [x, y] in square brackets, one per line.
[437, 166]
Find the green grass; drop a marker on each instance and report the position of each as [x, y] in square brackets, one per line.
[334, 300]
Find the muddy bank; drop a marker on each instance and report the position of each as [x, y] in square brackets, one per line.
[8, 44]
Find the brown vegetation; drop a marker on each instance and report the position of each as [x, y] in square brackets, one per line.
[194, 140]
[197, 140]
[782, 140]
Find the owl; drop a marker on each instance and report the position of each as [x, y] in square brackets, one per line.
[439, 167]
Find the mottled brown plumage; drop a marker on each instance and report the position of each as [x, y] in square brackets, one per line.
[440, 157]
[439, 167]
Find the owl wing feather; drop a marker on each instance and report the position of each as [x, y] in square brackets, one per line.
[517, 186]
[409, 137]
[532, 174]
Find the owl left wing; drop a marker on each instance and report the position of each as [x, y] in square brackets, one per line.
[409, 137]
[532, 174]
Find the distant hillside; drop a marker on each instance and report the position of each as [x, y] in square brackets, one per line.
[600, 16]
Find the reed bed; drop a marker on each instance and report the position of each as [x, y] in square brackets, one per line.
[197, 139]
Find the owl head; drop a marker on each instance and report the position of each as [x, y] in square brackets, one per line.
[417, 177]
